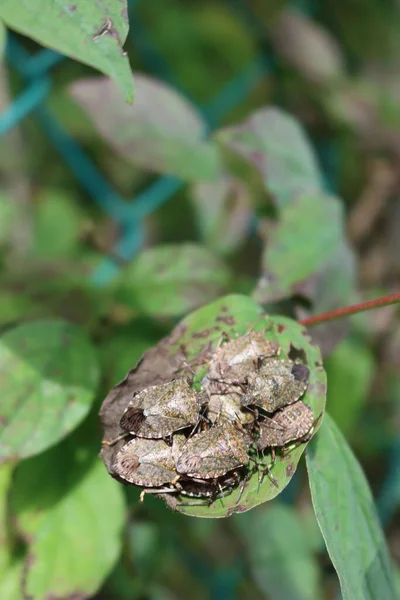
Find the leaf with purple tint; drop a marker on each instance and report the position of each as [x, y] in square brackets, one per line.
[161, 132]
[276, 144]
[224, 211]
[312, 50]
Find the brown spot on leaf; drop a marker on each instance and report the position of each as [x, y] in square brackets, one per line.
[201, 334]
[224, 309]
[281, 328]
[228, 320]
[72, 8]
[239, 508]
[289, 470]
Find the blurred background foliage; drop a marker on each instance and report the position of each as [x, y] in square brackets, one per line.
[334, 66]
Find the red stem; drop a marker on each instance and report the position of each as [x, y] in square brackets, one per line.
[351, 310]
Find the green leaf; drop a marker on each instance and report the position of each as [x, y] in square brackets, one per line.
[224, 211]
[48, 378]
[11, 574]
[71, 513]
[11, 560]
[161, 132]
[58, 223]
[8, 214]
[309, 231]
[79, 30]
[346, 514]
[3, 39]
[312, 50]
[331, 287]
[279, 552]
[125, 346]
[201, 330]
[350, 370]
[276, 144]
[172, 279]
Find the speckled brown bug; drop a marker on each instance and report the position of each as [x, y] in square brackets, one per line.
[278, 383]
[293, 422]
[213, 453]
[160, 410]
[149, 463]
[228, 369]
[234, 359]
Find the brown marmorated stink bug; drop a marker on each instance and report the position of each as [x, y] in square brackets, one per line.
[214, 452]
[229, 368]
[293, 422]
[160, 410]
[149, 463]
[225, 407]
[278, 383]
[234, 359]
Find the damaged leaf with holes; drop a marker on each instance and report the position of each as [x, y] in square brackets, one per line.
[194, 342]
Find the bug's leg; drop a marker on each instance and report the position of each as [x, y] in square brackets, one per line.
[115, 440]
[257, 465]
[267, 471]
[202, 419]
[168, 439]
[191, 434]
[303, 440]
[155, 491]
[242, 486]
[194, 503]
[218, 493]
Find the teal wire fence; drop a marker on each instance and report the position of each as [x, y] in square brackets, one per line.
[36, 72]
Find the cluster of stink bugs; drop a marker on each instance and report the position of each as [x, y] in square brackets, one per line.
[205, 443]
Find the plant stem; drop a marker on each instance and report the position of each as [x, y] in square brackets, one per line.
[351, 310]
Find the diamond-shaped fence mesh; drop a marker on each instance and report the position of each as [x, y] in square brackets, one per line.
[36, 70]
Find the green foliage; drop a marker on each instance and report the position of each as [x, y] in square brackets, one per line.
[71, 519]
[173, 279]
[72, 29]
[49, 376]
[8, 216]
[11, 559]
[280, 553]
[224, 209]
[275, 143]
[3, 38]
[350, 369]
[350, 525]
[58, 224]
[236, 315]
[162, 132]
[253, 215]
[311, 217]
